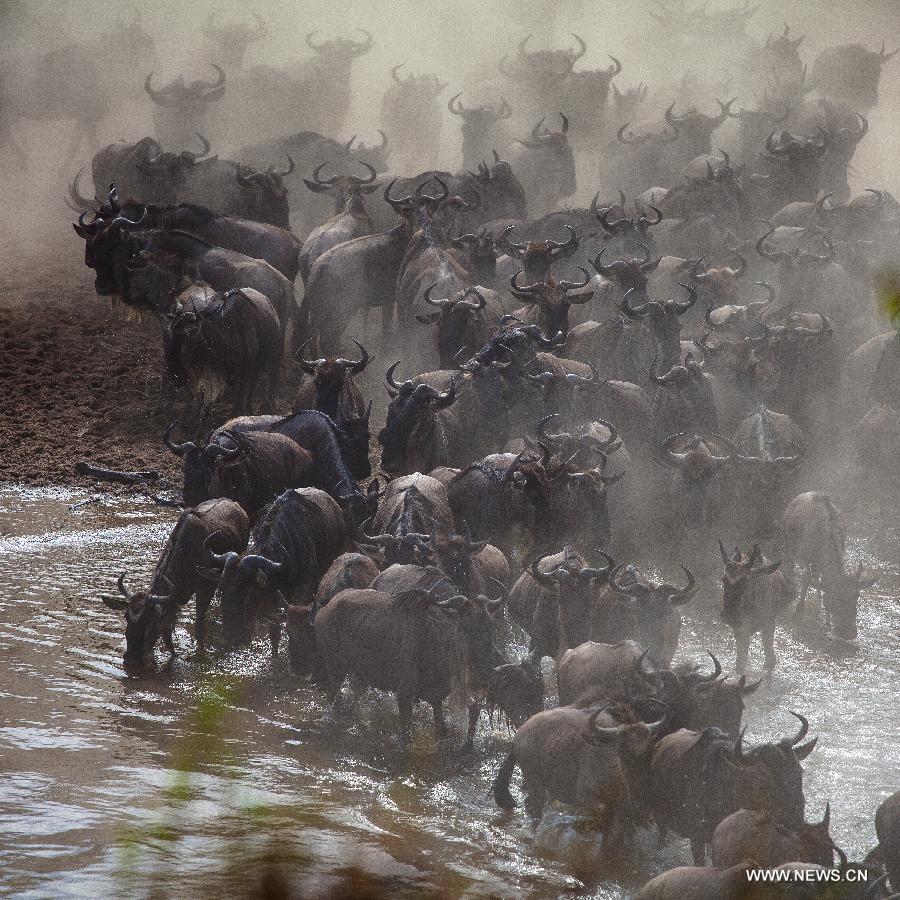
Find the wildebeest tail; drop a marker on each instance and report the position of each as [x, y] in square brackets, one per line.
[502, 797]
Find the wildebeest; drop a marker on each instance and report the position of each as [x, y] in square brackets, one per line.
[699, 778]
[755, 592]
[814, 540]
[850, 72]
[331, 389]
[758, 836]
[411, 115]
[229, 41]
[180, 107]
[292, 546]
[466, 319]
[350, 218]
[220, 343]
[213, 526]
[546, 167]
[479, 129]
[566, 754]
[548, 301]
[413, 645]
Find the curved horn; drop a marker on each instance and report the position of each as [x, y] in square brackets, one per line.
[359, 365]
[307, 365]
[767, 253]
[804, 730]
[120, 584]
[682, 595]
[177, 449]
[426, 296]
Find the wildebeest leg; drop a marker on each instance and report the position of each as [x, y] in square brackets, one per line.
[474, 713]
[742, 647]
[440, 726]
[768, 641]
[271, 401]
[534, 802]
[275, 637]
[168, 640]
[404, 705]
[203, 598]
[698, 851]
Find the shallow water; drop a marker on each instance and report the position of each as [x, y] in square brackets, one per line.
[194, 779]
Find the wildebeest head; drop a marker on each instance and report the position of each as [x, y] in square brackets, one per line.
[700, 460]
[575, 584]
[248, 582]
[340, 51]
[422, 85]
[196, 465]
[516, 691]
[233, 38]
[664, 319]
[538, 256]
[626, 103]
[330, 377]
[342, 187]
[842, 600]
[629, 274]
[553, 298]
[413, 435]
[270, 183]
[719, 282]
[770, 775]
[634, 740]
[543, 67]
[655, 603]
[479, 657]
[697, 127]
[193, 94]
[850, 71]
[741, 569]
[454, 554]
[144, 613]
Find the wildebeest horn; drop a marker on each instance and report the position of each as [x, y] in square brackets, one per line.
[75, 194]
[569, 286]
[360, 364]
[766, 252]
[717, 669]
[120, 584]
[426, 296]
[589, 572]
[633, 312]
[682, 595]
[682, 306]
[526, 292]
[569, 244]
[616, 585]
[507, 244]
[804, 730]
[395, 76]
[595, 733]
[478, 303]
[195, 155]
[393, 385]
[177, 449]
[307, 365]
[253, 562]
[565, 124]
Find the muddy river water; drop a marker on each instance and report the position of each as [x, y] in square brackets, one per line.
[188, 781]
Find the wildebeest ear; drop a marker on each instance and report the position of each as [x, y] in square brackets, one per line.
[116, 603]
[209, 574]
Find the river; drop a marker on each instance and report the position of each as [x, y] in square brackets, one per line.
[201, 778]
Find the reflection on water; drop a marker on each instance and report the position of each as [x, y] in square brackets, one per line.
[196, 773]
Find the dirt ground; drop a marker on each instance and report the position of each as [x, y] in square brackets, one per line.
[78, 380]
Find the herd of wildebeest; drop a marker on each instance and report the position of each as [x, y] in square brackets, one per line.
[574, 389]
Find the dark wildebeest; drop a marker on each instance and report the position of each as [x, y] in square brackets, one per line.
[466, 319]
[413, 645]
[546, 168]
[759, 836]
[479, 129]
[700, 778]
[213, 526]
[566, 754]
[548, 301]
[258, 240]
[221, 343]
[412, 116]
[250, 467]
[664, 324]
[474, 567]
[755, 592]
[180, 107]
[292, 546]
[814, 539]
[695, 130]
[331, 389]
[312, 431]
